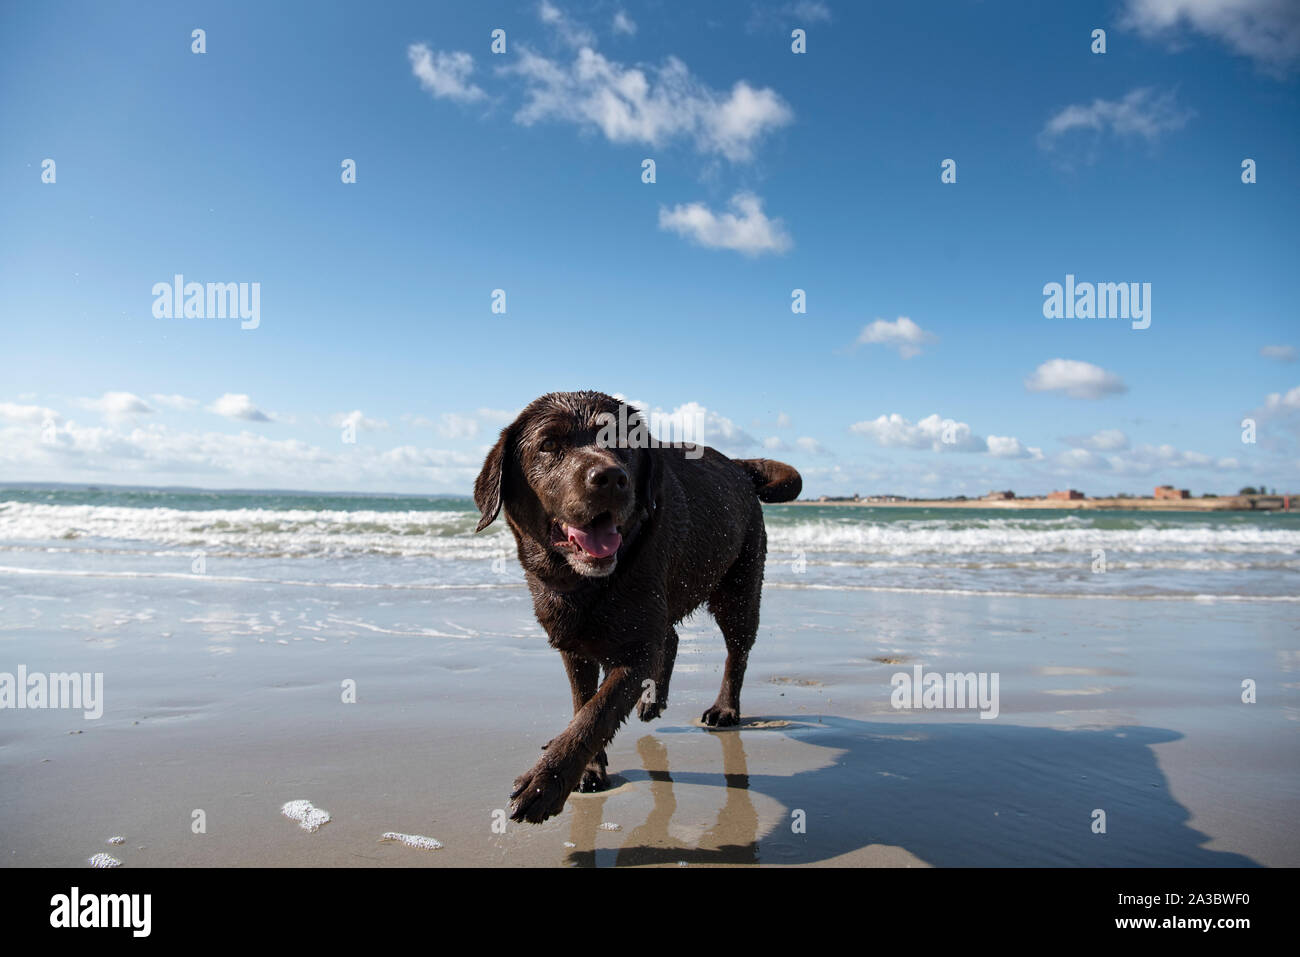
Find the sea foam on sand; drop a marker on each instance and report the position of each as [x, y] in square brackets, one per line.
[413, 840]
[308, 816]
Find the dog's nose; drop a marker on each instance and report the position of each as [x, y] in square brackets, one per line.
[610, 476]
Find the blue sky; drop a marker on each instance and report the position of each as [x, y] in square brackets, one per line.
[775, 171]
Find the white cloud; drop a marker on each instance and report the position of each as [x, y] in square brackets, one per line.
[782, 420]
[693, 422]
[653, 106]
[1283, 402]
[1079, 380]
[902, 333]
[178, 402]
[810, 445]
[1144, 460]
[1147, 459]
[805, 443]
[799, 13]
[497, 416]
[810, 11]
[444, 74]
[1106, 440]
[27, 414]
[116, 405]
[1142, 112]
[1009, 447]
[623, 24]
[1281, 353]
[357, 420]
[1267, 31]
[453, 426]
[746, 228]
[411, 457]
[1081, 459]
[158, 455]
[894, 431]
[238, 406]
[569, 30]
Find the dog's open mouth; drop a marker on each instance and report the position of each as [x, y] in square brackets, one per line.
[598, 540]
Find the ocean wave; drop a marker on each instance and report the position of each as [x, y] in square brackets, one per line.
[1022, 537]
[449, 534]
[255, 531]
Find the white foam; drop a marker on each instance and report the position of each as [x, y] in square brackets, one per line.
[450, 534]
[413, 840]
[308, 816]
[996, 593]
[103, 860]
[251, 580]
[256, 531]
[951, 536]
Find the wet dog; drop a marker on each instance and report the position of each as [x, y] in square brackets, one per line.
[619, 541]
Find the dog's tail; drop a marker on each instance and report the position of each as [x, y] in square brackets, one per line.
[774, 481]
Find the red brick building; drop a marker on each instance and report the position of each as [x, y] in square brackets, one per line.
[1065, 495]
[1168, 491]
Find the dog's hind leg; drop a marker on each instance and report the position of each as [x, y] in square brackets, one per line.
[655, 699]
[734, 606]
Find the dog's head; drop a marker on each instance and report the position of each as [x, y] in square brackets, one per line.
[574, 476]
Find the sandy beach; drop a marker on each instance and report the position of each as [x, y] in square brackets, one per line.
[225, 698]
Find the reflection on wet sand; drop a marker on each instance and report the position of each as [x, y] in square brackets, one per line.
[652, 842]
[893, 793]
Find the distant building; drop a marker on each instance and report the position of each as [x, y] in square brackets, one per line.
[1065, 495]
[1168, 491]
[1001, 495]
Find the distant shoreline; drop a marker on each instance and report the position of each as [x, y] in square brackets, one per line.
[1226, 503]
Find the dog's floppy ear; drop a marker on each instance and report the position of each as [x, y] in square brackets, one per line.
[649, 481]
[489, 486]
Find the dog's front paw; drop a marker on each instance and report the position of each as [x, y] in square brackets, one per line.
[541, 792]
[594, 776]
[649, 710]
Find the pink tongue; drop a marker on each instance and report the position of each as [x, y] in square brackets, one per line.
[598, 541]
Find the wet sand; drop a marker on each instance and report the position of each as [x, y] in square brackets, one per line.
[1132, 707]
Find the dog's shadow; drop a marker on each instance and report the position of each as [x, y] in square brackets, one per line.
[970, 794]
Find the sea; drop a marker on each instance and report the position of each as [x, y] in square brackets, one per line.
[376, 542]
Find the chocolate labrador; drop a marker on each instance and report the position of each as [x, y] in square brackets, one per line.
[621, 538]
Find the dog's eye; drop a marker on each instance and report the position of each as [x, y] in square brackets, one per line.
[550, 445]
